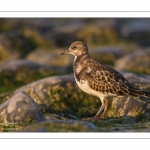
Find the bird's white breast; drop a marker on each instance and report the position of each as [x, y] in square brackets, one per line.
[84, 86]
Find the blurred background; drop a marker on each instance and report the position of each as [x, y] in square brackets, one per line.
[30, 48]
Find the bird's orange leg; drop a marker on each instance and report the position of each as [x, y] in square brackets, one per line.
[105, 109]
[100, 110]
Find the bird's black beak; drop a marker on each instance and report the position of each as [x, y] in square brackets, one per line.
[65, 52]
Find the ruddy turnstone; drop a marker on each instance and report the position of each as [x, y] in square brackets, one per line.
[98, 79]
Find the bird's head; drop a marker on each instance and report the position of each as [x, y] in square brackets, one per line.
[77, 48]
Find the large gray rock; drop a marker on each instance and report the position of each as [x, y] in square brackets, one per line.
[136, 62]
[14, 65]
[21, 109]
[135, 79]
[43, 53]
[129, 106]
[39, 90]
[19, 69]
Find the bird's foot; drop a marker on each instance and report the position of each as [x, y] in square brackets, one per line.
[103, 116]
[92, 118]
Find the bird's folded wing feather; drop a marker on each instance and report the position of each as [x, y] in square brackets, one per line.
[107, 80]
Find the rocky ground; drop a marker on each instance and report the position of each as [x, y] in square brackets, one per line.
[37, 88]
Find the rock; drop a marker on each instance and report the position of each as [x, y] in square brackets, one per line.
[60, 116]
[128, 106]
[47, 55]
[55, 116]
[21, 109]
[14, 65]
[128, 120]
[39, 90]
[52, 59]
[61, 126]
[20, 69]
[135, 79]
[137, 30]
[121, 120]
[141, 63]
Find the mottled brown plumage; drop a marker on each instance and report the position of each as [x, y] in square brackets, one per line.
[98, 79]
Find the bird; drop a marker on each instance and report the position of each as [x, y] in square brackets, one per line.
[98, 79]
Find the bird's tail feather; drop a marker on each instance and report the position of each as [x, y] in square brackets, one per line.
[138, 92]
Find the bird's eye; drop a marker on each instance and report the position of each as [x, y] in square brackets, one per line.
[74, 47]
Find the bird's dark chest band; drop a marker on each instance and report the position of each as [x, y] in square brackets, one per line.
[80, 75]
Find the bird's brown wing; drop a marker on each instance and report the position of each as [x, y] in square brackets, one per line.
[108, 81]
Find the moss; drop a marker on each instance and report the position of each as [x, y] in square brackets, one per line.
[103, 124]
[73, 101]
[13, 80]
[112, 122]
[58, 127]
